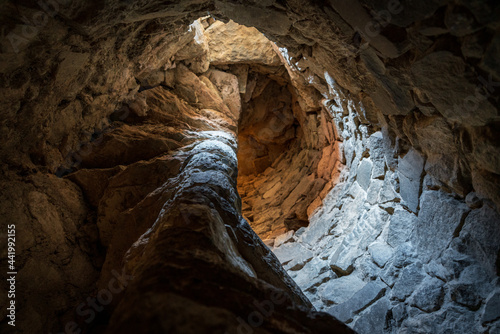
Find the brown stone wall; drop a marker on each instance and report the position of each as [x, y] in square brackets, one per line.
[116, 96]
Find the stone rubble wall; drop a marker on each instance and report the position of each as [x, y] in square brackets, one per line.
[391, 249]
[156, 195]
[283, 197]
[193, 253]
[427, 79]
[288, 158]
[429, 72]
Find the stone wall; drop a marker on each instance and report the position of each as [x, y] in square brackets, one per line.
[58, 256]
[391, 249]
[114, 96]
[144, 223]
[288, 156]
[392, 56]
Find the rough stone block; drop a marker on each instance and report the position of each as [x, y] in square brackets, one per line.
[372, 195]
[440, 216]
[473, 201]
[409, 279]
[388, 191]
[342, 262]
[405, 255]
[483, 227]
[441, 76]
[272, 192]
[284, 238]
[389, 274]
[355, 243]
[373, 319]
[401, 225]
[362, 298]
[227, 84]
[320, 227]
[377, 154]
[467, 295]
[227, 47]
[315, 273]
[287, 252]
[436, 269]
[302, 188]
[492, 309]
[429, 295]
[327, 162]
[410, 169]
[381, 253]
[364, 173]
[341, 289]
[399, 313]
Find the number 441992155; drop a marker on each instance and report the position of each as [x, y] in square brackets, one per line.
[11, 245]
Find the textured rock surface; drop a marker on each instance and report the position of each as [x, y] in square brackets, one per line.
[118, 94]
[287, 159]
[162, 236]
[57, 258]
[232, 43]
[394, 77]
[397, 246]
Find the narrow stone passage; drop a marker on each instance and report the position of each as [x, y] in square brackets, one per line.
[306, 168]
[287, 154]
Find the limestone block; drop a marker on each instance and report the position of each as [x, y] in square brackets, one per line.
[341, 289]
[364, 173]
[467, 295]
[319, 227]
[231, 43]
[481, 232]
[492, 309]
[401, 226]
[355, 243]
[437, 75]
[284, 238]
[292, 251]
[390, 189]
[408, 281]
[380, 252]
[196, 52]
[327, 162]
[191, 88]
[410, 169]
[314, 274]
[438, 220]
[371, 320]
[227, 84]
[372, 195]
[370, 292]
[377, 153]
[429, 295]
